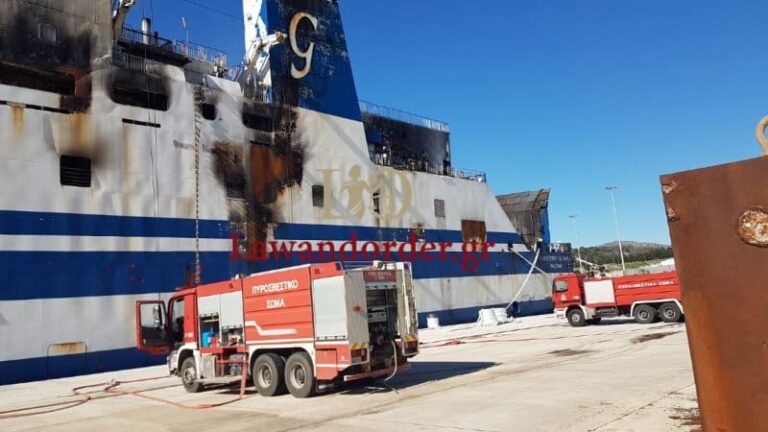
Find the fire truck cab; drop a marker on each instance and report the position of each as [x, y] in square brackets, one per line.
[299, 330]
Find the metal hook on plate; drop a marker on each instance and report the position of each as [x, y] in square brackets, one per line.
[760, 135]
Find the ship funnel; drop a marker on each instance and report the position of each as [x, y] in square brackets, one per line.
[312, 69]
[146, 29]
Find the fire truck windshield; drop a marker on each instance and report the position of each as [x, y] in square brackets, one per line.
[177, 320]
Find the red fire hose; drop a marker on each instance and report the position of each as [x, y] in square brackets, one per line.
[111, 389]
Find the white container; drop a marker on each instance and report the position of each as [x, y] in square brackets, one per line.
[433, 322]
[487, 317]
[501, 315]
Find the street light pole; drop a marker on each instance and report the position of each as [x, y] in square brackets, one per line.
[610, 190]
[578, 245]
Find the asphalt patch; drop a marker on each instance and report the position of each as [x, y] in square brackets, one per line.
[569, 352]
[654, 336]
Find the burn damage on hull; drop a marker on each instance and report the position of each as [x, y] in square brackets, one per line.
[147, 133]
[56, 46]
[402, 145]
[30, 77]
[51, 46]
[136, 89]
[230, 172]
[257, 173]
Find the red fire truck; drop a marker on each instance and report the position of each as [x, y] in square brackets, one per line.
[645, 297]
[300, 329]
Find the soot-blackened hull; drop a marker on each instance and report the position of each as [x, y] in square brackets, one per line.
[120, 173]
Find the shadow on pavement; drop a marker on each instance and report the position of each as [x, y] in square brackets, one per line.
[421, 372]
[615, 321]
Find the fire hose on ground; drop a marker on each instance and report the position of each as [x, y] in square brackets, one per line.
[394, 370]
[394, 354]
[110, 388]
[60, 406]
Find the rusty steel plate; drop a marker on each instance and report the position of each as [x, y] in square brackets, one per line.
[718, 221]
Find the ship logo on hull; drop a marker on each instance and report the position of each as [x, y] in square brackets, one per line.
[306, 54]
[387, 194]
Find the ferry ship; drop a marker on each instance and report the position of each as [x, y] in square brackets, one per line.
[132, 165]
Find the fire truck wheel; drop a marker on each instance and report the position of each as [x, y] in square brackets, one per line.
[189, 376]
[670, 313]
[267, 374]
[645, 314]
[300, 375]
[576, 318]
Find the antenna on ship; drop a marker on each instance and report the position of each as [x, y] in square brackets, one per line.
[186, 33]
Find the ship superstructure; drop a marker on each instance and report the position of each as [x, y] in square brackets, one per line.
[131, 165]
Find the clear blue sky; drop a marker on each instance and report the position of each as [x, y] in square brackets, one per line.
[571, 95]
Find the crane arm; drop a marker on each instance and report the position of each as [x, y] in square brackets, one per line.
[119, 14]
[262, 45]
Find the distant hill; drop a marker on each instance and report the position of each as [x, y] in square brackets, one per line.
[633, 251]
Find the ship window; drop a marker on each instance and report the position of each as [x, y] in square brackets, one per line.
[419, 232]
[75, 171]
[140, 98]
[209, 111]
[473, 231]
[439, 208]
[139, 90]
[236, 189]
[255, 121]
[19, 76]
[262, 141]
[318, 196]
[48, 33]
[376, 202]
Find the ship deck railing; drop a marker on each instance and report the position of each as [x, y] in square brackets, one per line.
[190, 50]
[136, 63]
[467, 174]
[406, 117]
[415, 166]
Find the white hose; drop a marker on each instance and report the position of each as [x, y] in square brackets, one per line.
[394, 372]
[527, 277]
[522, 257]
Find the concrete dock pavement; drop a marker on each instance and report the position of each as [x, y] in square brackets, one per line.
[534, 374]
